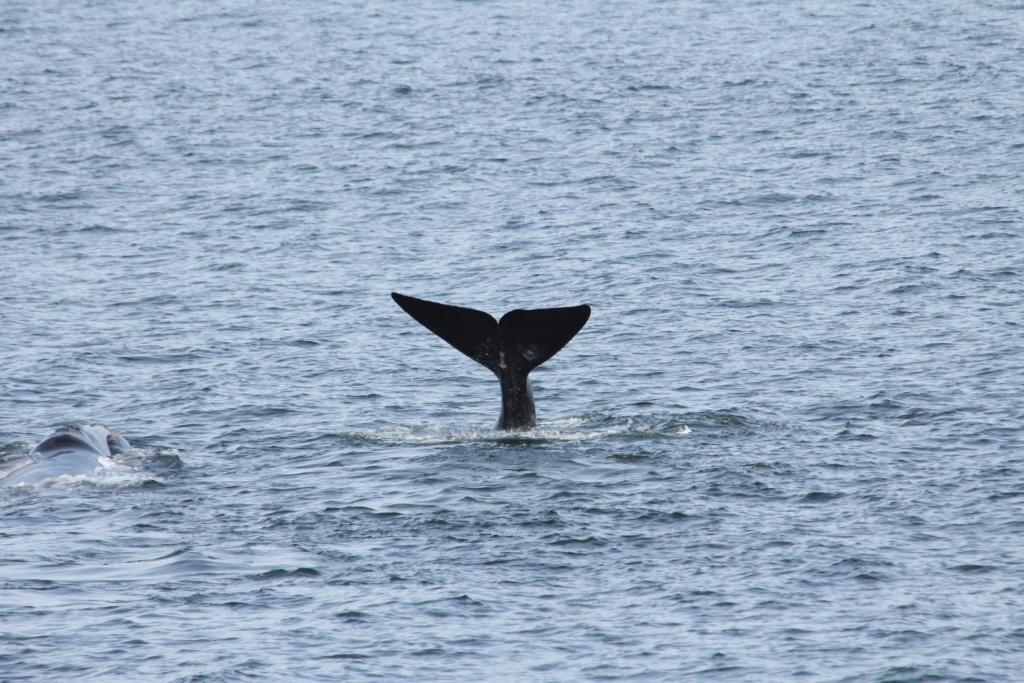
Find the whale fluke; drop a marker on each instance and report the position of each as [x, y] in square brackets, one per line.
[511, 348]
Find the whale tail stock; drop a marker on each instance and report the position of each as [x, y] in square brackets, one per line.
[510, 348]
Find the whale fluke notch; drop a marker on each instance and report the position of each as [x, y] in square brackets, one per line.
[511, 348]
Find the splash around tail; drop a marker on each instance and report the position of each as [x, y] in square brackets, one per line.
[510, 348]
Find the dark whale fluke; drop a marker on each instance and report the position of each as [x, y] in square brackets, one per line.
[511, 348]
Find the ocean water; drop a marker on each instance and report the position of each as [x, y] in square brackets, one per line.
[787, 446]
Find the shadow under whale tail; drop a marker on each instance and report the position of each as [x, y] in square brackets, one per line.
[510, 348]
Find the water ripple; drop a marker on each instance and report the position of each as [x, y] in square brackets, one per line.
[785, 445]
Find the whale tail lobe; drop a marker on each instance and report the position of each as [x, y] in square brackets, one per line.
[537, 335]
[523, 339]
[472, 332]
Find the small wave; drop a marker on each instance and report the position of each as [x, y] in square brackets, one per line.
[572, 429]
[108, 478]
[279, 573]
[134, 468]
[435, 435]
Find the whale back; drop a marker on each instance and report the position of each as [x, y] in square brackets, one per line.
[76, 436]
[74, 449]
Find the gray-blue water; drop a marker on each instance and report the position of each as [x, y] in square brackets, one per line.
[788, 444]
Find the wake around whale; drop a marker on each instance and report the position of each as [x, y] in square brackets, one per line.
[74, 449]
[510, 348]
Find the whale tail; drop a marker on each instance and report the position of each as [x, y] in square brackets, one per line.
[524, 338]
[510, 348]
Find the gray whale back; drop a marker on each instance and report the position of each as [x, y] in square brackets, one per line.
[74, 449]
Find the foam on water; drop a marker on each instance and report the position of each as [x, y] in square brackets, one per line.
[121, 470]
[563, 430]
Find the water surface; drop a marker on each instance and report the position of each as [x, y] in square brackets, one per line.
[787, 444]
